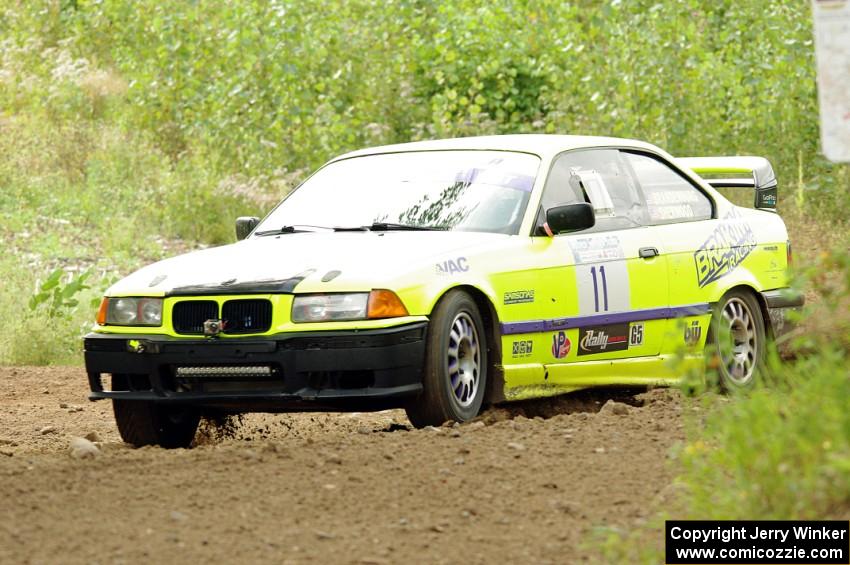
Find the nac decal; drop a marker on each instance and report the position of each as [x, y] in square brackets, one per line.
[452, 266]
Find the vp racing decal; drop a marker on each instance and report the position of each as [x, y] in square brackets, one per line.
[726, 248]
[560, 345]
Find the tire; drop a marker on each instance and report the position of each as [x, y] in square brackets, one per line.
[738, 340]
[456, 363]
[141, 422]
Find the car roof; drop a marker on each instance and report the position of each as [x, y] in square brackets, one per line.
[543, 145]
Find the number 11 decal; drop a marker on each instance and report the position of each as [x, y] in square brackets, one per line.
[604, 281]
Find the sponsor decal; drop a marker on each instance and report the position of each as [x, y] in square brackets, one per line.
[726, 248]
[452, 266]
[593, 249]
[636, 334]
[693, 333]
[560, 345]
[522, 348]
[518, 297]
[602, 339]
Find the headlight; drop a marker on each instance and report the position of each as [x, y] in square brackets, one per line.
[352, 306]
[330, 307]
[132, 312]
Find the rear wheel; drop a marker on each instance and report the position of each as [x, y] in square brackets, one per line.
[455, 364]
[739, 338]
[141, 422]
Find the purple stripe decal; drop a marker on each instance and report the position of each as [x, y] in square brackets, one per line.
[534, 326]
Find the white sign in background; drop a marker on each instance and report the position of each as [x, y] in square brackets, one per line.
[832, 47]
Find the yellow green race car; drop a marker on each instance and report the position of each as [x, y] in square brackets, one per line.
[440, 276]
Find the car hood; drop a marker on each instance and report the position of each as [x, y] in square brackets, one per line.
[280, 263]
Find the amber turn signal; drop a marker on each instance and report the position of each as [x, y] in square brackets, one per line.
[101, 312]
[385, 304]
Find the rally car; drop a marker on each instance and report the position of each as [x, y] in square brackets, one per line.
[440, 276]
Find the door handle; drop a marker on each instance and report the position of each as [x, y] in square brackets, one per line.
[648, 252]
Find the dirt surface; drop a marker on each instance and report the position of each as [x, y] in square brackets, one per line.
[532, 483]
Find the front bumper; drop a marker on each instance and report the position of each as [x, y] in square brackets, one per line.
[334, 370]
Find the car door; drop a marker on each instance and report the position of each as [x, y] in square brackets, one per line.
[614, 274]
[680, 214]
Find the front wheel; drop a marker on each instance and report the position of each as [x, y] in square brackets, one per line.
[455, 364]
[739, 338]
[143, 423]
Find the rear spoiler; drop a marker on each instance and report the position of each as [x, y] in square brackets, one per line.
[738, 172]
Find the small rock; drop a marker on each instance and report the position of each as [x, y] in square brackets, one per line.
[330, 486]
[517, 446]
[81, 448]
[616, 408]
[432, 429]
[63, 405]
[45, 391]
[178, 516]
[475, 425]
[364, 430]
[72, 409]
[333, 459]
[47, 430]
[599, 450]
[460, 461]
[7, 452]
[438, 528]
[454, 433]
[93, 437]
[321, 534]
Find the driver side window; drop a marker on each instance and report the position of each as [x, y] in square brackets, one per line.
[600, 177]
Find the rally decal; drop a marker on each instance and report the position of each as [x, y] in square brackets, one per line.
[603, 339]
[613, 337]
[726, 248]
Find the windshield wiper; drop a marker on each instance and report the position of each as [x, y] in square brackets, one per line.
[388, 226]
[299, 228]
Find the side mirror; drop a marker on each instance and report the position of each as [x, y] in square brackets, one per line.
[245, 225]
[570, 217]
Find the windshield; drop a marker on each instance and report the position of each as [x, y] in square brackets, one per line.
[483, 191]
